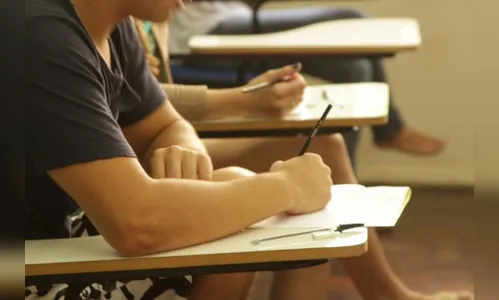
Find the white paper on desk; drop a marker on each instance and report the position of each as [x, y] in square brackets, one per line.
[374, 206]
[361, 100]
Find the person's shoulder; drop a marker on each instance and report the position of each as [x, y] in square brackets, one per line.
[52, 29]
[47, 8]
[52, 19]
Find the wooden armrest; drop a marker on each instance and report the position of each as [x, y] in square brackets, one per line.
[257, 28]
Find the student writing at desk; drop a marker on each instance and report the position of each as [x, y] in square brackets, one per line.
[371, 272]
[102, 136]
[235, 17]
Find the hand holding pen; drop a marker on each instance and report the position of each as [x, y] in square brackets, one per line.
[308, 180]
[275, 93]
[315, 201]
[312, 178]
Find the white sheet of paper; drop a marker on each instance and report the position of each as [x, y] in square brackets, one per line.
[373, 206]
[362, 100]
[349, 100]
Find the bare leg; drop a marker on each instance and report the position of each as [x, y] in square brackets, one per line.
[233, 286]
[309, 283]
[371, 273]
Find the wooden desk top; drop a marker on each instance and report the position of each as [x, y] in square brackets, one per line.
[372, 36]
[354, 104]
[93, 254]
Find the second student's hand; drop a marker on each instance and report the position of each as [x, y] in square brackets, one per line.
[279, 98]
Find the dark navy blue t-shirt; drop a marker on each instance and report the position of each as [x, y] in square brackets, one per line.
[76, 106]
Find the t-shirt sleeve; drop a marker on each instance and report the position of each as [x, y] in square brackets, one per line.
[68, 117]
[138, 75]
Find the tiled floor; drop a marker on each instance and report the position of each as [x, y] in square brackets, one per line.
[429, 248]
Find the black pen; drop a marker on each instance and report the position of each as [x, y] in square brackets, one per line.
[316, 129]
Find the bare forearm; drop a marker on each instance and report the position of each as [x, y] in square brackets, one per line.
[181, 213]
[223, 103]
[196, 102]
[188, 100]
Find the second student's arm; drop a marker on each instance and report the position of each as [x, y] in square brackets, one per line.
[196, 103]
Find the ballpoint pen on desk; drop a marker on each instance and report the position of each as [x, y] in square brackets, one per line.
[329, 233]
[316, 129]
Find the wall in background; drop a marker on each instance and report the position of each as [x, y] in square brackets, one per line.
[437, 88]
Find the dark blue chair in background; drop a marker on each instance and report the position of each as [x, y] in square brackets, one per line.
[222, 77]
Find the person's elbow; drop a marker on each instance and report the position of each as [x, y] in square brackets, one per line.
[131, 244]
[135, 233]
[127, 239]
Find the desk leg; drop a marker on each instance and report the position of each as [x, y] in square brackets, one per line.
[257, 28]
[241, 72]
